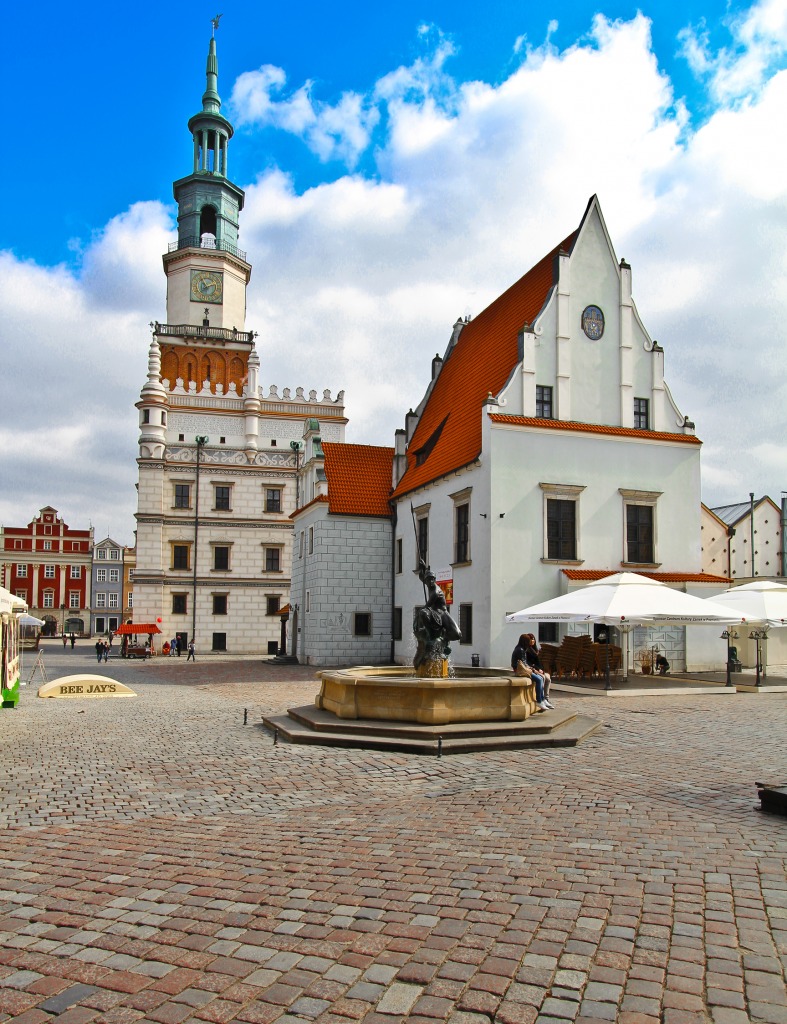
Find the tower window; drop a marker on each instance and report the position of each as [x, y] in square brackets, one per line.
[207, 221]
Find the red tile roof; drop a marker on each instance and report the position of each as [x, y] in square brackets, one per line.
[359, 479]
[589, 575]
[592, 428]
[481, 362]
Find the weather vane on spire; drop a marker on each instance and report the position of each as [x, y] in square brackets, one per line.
[215, 22]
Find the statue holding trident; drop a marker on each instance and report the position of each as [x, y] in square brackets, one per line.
[433, 626]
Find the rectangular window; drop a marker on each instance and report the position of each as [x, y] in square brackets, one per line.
[100, 624]
[114, 600]
[273, 499]
[423, 541]
[179, 604]
[180, 556]
[466, 623]
[398, 554]
[272, 560]
[221, 558]
[561, 530]
[300, 546]
[18, 545]
[114, 555]
[49, 599]
[462, 533]
[641, 414]
[311, 540]
[182, 495]
[362, 624]
[21, 571]
[639, 533]
[49, 572]
[219, 604]
[222, 498]
[547, 632]
[113, 623]
[219, 642]
[130, 600]
[397, 624]
[543, 402]
[114, 575]
[101, 575]
[308, 600]
[272, 604]
[73, 599]
[47, 545]
[76, 572]
[101, 553]
[101, 600]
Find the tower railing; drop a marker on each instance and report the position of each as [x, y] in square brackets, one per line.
[207, 242]
[192, 331]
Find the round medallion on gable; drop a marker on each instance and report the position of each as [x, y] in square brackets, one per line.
[593, 322]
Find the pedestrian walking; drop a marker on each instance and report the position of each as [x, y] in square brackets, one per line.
[73, 641]
[99, 651]
[106, 650]
[172, 646]
[177, 646]
[65, 641]
[191, 651]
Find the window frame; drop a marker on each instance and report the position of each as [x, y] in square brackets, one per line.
[641, 499]
[641, 411]
[269, 610]
[101, 600]
[359, 615]
[222, 507]
[178, 499]
[49, 572]
[21, 570]
[544, 400]
[180, 597]
[562, 492]
[176, 546]
[278, 551]
[276, 505]
[465, 616]
[216, 603]
[76, 572]
[422, 534]
[215, 547]
[461, 545]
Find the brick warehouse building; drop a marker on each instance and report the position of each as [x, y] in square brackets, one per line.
[47, 564]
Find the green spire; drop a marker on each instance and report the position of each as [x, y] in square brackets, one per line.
[211, 101]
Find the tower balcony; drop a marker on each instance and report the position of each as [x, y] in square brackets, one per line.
[207, 333]
[207, 242]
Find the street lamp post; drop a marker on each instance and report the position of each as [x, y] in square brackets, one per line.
[201, 441]
[729, 634]
[757, 635]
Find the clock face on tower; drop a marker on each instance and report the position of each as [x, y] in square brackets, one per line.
[207, 286]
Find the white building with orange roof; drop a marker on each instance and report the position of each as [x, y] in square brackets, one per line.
[341, 598]
[548, 450]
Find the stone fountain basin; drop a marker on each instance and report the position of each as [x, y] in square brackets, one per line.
[393, 693]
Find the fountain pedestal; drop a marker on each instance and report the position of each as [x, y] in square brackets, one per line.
[394, 694]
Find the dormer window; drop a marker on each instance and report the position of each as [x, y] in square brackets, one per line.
[425, 450]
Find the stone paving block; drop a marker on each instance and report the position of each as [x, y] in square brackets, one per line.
[399, 998]
[63, 1000]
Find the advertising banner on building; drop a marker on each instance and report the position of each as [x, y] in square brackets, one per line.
[445, 581]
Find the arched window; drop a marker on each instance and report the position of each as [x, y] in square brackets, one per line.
[208, 227]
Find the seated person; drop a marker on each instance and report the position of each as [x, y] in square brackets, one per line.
[662, 665]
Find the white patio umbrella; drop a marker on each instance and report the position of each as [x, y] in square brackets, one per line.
[627, 600]
[761, 603]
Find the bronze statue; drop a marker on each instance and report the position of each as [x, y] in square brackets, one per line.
[434, 628]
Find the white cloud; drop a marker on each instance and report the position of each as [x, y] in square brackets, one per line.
[339, 131]
[759, 43]
[357, 282]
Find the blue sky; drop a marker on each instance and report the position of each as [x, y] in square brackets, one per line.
[403, 165]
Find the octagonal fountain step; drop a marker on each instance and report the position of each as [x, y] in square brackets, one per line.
[547, 729]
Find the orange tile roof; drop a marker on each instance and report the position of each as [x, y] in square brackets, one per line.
[359, 479]
[592, 428]
[481, 362]
[588, 575]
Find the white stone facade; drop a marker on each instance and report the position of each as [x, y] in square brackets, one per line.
[341, 569]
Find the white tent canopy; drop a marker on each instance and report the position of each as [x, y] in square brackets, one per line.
[30, 620]
[627, 600]
[761, 602]
[11, 604]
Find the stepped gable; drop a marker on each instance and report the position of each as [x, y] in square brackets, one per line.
[359, 478]
[480, 364]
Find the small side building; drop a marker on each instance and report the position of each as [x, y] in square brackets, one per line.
[341, 595]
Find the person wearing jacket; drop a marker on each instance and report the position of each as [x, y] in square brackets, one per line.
[520, 653]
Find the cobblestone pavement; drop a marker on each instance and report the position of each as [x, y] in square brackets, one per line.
[163, 862]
